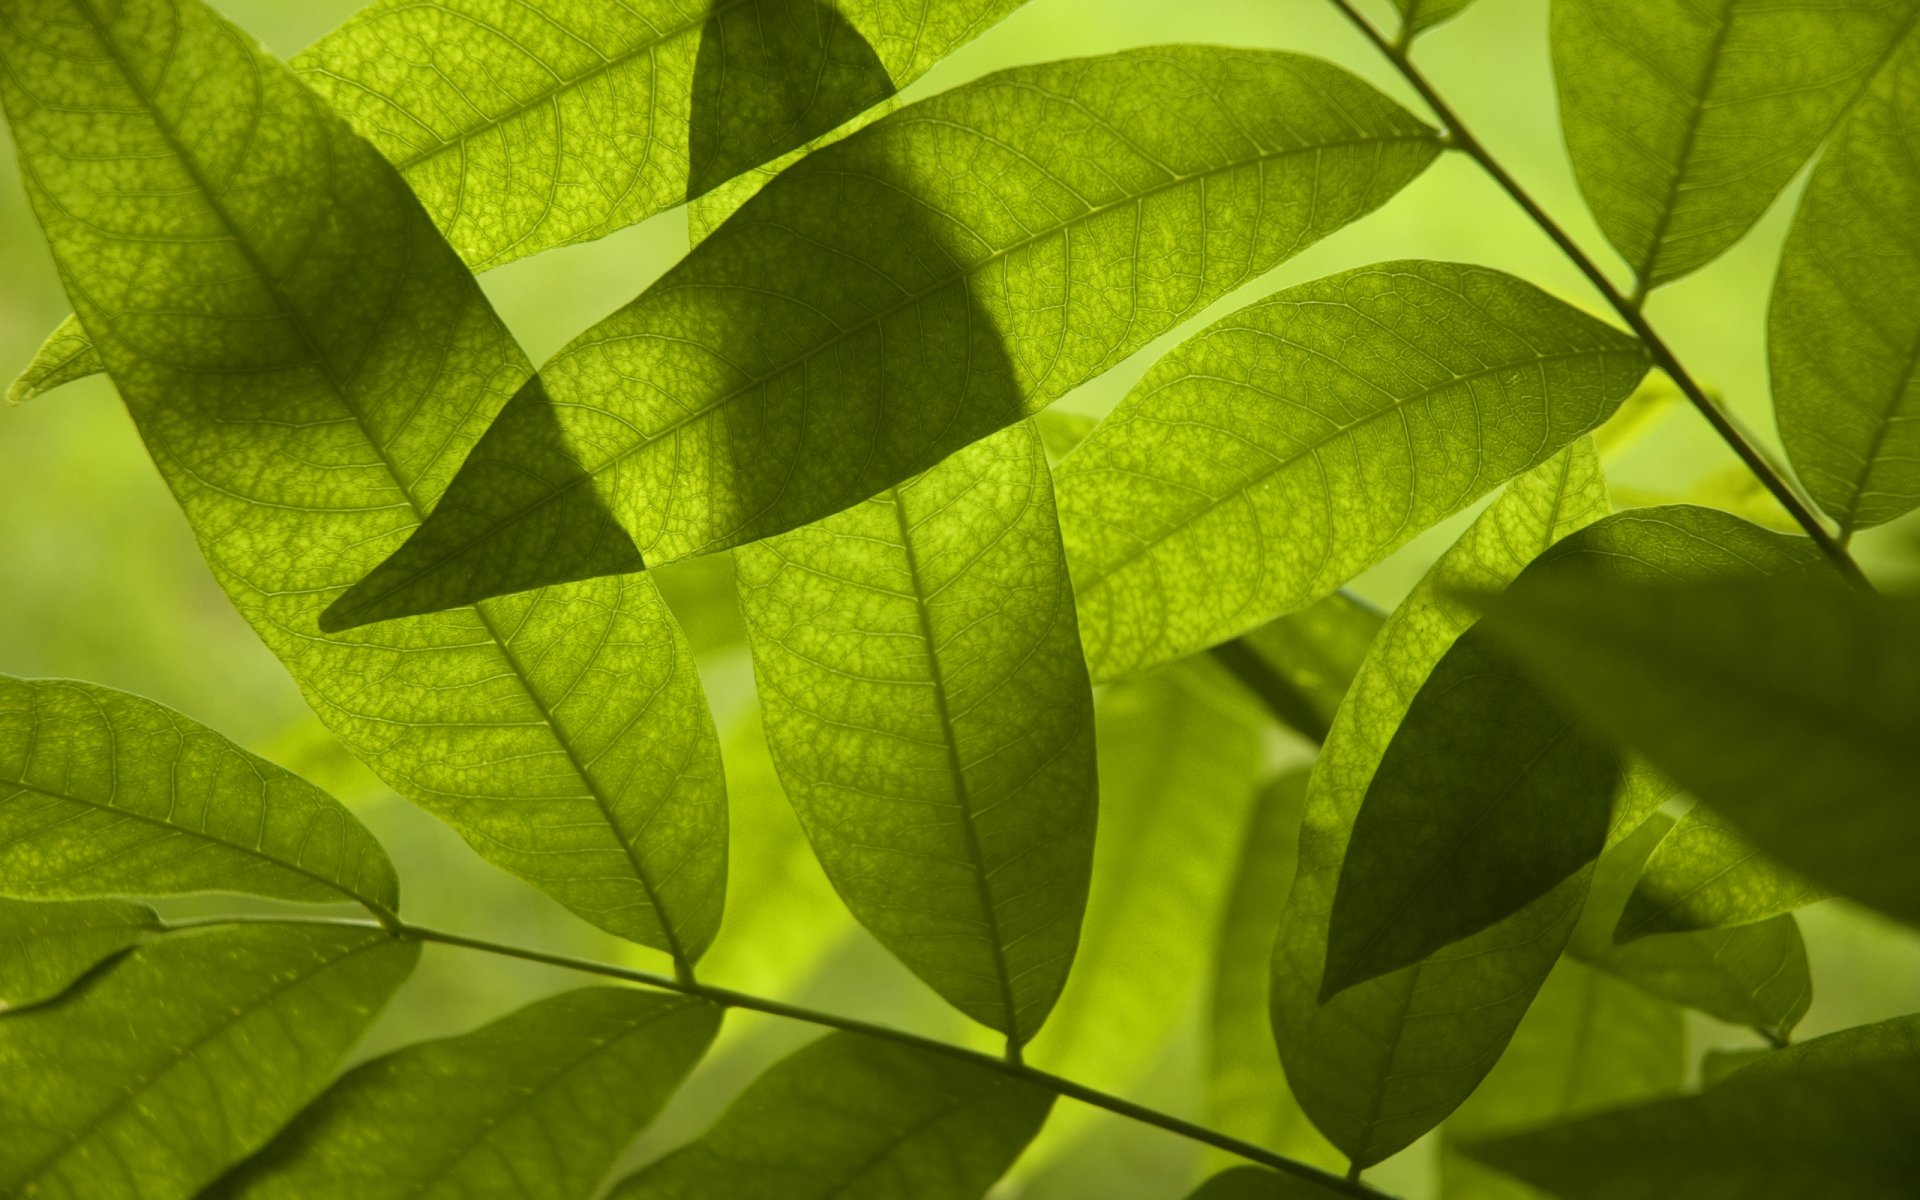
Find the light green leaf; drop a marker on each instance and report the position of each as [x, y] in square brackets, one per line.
[1422, 15]
[856, 1118]
[1268, 460]
[65, 356]
[1832, 1117]
[1704, 875]
[308, 363]
[1384, 1062]
[45, 947]
[929, 712]
[104, 793]
[1686, 118]
[149, 1079]
[1253, 1183]
[917, 286]
[1845, 316]
[546, 1098]
[1788, 706]
[1301, 665]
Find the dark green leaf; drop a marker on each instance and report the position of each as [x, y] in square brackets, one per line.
[927, 281]
[929, 712]
[1704, 875]
[308, 362]
[103, 793]
[1685, 119]
[1272, 457]
[860, 1118]
[1254, 1183]
[66, 355]
[46, 946]
[149, 1079]
[545, 1098]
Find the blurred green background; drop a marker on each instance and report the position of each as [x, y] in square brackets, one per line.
[104, 583]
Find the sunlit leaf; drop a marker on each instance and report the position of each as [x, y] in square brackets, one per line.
[928, 708]
[1255, 1183]
[925, 282]
[856, 1117]
[1271, 458]
[65, 356]
[710, 210]
[546, 1097]
[149, 1079]
[1685, 119]
[46, 945]
[1704, 875]
[1422, 15]
[1301, 665]
[104, 793]
[308, 362]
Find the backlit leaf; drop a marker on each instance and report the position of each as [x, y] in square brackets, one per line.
[1287, 447]
[928, 708]
[65, 356]
[1704, 875]
[45, 946]
[1301, 665]
[1422, 15]
[912, 288]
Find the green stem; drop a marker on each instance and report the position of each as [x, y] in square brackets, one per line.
[1460, 137]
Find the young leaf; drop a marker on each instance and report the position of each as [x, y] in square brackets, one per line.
[1686, 119]
[1269, 459]
[929, 712]
[1704, 875]
[1846, 312]
[307, 362]
[1383, 1062]
[546, 1097]
[45, 947]
[853, 1116]
[1254, 1183]
[1422, 15]
[1789, 707]
[1831, 1117]
[149, 1079]
[65, 356]
[917, 286]
[103, 793]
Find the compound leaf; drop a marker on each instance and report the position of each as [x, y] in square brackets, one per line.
[1704, 875]
[46, 946]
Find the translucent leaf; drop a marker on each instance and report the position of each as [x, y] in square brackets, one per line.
[308, 362]
[1831, 1117]
[1685, 119]
[1846, 312]
[1422, 15]
[1300, 665]
[710, 210]
[857, 1118]
[104, 793]
[1788, 706]
[929, 712]
[917, 286]
[46, 946]
[149, 1079]
[1287, 447]
[546, 1097]
[65, 356]
[1384, 1062]
[1255, 1183]
[1704, 875]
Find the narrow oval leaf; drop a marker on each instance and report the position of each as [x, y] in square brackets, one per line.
[546, 1097]
[1422, 15]
[308, 362]
[1685, 119]
[46, 946]
[1383, 1062]
[917, 286]
[65, 356]
[856, 1117]
[1845, 316]
[150, 1079]
[104, 793]
[1704, 875]
[1284, 449]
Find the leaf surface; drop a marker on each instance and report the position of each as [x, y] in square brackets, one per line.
[929, 712]
[65, 356]
[1422, 15]
[1268, 460]
[1254, 1183]
[928, 280]
[1704, 875]
[1301, 665]
[46, 946]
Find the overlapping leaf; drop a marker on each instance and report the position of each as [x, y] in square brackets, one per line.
[929, 711]
[1300, 665]
[927, 281]
[308, 362]
[46, 945]
[1704, 875]
[1271, 458]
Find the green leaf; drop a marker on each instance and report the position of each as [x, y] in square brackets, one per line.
[856, 1117]
[546, 1097]
[1704, 875]
[1301, 665]
[1383, 1062]
[65, 356]
[1845, 316]
[1254, 1183]
[1686, 119]
[45, 947]
[710, 210]
[308, 363]
[1422, 15]
[899, 294]
[1788, 706]
[104, 793]
[1271, 458]
[929, 712]
[1831, 1117]
[149, 1079]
